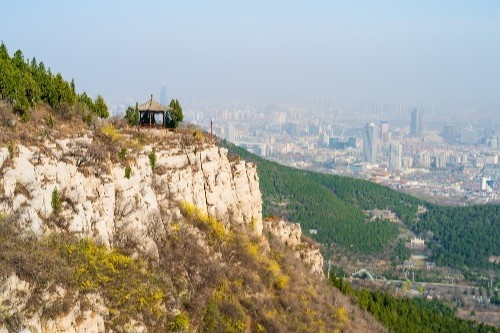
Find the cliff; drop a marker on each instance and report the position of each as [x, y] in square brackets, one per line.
[109, 207]
[110, 229]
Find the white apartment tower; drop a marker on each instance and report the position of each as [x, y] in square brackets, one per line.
[395, 156]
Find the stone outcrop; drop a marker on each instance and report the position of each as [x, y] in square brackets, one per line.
[15, 298]
[291, 234]
[107, 206]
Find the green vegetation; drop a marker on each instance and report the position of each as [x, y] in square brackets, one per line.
[464, 237]
[213, 278]
[56, 202]
[179, 323]
[176, 115]
[308, 198]
[25, 82]
[247, 286]
[152, 159]
[131, 290]
[128, 171]
[460, 237]
[132, 115]
[409, 315]
[12, 150]
[127, 285]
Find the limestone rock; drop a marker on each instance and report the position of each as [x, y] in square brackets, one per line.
[98, 205]
[291, 234]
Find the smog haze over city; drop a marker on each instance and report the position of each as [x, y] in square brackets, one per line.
[442, 54]
[392, 107]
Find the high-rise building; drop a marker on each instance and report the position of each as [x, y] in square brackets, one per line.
[384, 132]
[469, 135]
[489, 131]
[449, 133]
[163, 95]
[416, 123]
[395, 155]
[407, 162]
[424, 160]
[370, 143]
[441, 159]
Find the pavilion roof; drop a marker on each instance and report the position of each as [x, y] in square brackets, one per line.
[153, 105]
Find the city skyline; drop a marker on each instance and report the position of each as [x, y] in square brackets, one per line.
[414, 53]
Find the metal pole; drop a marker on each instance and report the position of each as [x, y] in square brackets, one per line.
[212, 129]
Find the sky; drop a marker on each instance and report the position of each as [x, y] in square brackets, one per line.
[440, 53]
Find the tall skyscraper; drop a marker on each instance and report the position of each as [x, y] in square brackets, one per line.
[489, 131]
[163, 94]
[384, 132]
[416, 123]
[370, 143]
[395, 156]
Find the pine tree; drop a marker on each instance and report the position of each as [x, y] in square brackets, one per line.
[176, 115]
[100, 107]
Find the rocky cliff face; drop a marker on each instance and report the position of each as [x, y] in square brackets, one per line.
[102, 201]
[109, 207]
[291, 234]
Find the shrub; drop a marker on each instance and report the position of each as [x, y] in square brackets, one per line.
[125, 283]
[25, 117]
[110, 132]
[180, 322]
[152, 160]
[281, 282]
[198, 135]
[12, 150]
[50, 121]
[56, 202]
[123, 154]
[215, 229]
[87, 118]
[128, 171]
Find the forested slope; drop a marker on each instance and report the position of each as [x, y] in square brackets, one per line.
[307, 197]
[409, 315]
[461, 237]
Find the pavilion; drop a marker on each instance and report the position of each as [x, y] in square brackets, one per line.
[153, 114]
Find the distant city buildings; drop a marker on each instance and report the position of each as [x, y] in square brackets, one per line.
[441, 159]
[385, 134]
[486, 184]
[370, 143]
[489, 131]
[416, 123]
[395, 156]
[469, 136]
[424, 160]
[448, 162]
[449, 134]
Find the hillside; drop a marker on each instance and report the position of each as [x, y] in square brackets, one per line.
[460, 237]
[106, 228]
[110, 228]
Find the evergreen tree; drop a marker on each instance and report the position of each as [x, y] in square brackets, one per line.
[24, 82]
[176, 115]
[132, 115]
[100, 107]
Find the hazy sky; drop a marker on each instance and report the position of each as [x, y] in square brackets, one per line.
[422, 52]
